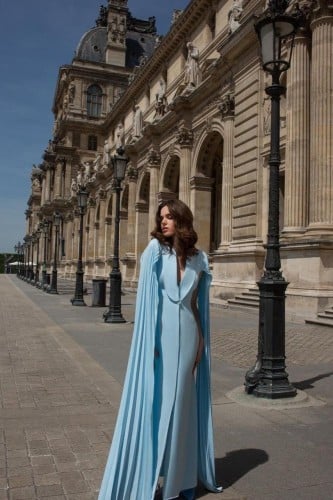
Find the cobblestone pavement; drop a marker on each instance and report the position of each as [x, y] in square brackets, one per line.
[234, 339]
[58, 406]
[55, 417]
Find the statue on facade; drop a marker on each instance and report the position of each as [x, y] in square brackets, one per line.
[234, 15]
[86, 172]
[97, 163]
[137, 121]
[71, 92]
[80, 178]
[192, 70]
[161, 102]
[119, 136]
[73, 187]
[106, 153]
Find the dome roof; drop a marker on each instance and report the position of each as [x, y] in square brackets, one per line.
[92, 46]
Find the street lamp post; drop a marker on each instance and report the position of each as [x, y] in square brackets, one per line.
[268, 378]
[45, 229]
[38, 232]
[17, 249]
[27, 274]
[54, 278]
[77, 300]
[114, 315]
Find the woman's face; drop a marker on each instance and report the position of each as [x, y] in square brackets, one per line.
[167, 223]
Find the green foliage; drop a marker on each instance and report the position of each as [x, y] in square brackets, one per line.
[3, 257]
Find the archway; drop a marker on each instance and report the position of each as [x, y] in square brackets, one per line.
[169, 185]
[207, 191]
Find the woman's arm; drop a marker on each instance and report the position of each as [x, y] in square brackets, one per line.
[194, 305]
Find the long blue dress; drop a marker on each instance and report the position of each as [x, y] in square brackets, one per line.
[164, 424]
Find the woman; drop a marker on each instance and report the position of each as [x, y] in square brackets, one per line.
[164, 425]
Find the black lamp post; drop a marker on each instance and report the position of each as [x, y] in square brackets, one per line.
[27, 274]
[113, 315]
[45, 230]
[17, 249]
[77, 300]
[38, 233]
[268, 378]
[24, 250]
[54, 278]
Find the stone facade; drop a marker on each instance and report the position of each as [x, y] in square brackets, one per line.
[203, 136]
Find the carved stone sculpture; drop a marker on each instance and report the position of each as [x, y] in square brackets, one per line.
[234, 15]
[192, 70]
[137, 122]
[161, 102]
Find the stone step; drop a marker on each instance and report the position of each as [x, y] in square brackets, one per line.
[325, 321]
[243, 302]
[328, 312]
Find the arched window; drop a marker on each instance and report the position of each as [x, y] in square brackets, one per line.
[94, 101]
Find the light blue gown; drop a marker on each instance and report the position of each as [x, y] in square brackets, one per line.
[164, 424]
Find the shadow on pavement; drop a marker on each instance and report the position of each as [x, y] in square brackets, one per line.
[235, 465]
[308, 383]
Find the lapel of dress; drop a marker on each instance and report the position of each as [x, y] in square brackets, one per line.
[170, 277]
[188, 278]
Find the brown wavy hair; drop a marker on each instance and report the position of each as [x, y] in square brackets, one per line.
[185, 236]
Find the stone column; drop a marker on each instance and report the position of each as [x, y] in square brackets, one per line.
[57, 189]
[321, 179]
[185, 140]
[227, 108]
[154, 162]
[298, 138]
[132, 175]
[92, 228]
[102, 216]
[141, 231]
[48, 184]
[68, 179]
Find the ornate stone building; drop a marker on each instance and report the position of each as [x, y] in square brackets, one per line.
[191, 110]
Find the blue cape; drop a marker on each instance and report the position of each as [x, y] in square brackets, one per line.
[131, 471]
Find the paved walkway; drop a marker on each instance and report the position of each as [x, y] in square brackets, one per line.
[61, 370]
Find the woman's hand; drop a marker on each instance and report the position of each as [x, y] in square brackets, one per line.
[199, 352]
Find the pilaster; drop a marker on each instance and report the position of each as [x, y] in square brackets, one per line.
[185, 140]
[321, 143]
[227, 109]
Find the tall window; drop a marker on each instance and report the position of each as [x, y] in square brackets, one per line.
[94, 101]
[92, 142]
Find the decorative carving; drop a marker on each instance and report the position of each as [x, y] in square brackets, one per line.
[119, 136]
[132, 173]
[91, 202]
[102, 194]
[161, 103]
[154, 158]
[227, 106]
[71, 92]
[73, 187]
[234, 15]
[97, 163]
[106, 153]
[175, 14]
[184, 136]
[102, 19]
[137, 122]
[192, 71]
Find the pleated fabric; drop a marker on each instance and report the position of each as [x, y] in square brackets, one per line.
[140, 441]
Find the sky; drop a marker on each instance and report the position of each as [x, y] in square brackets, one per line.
[36, 38]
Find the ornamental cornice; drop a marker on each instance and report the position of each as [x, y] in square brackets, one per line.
[320, 10]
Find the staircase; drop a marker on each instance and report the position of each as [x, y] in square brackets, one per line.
[247, 300]
[324, 318]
